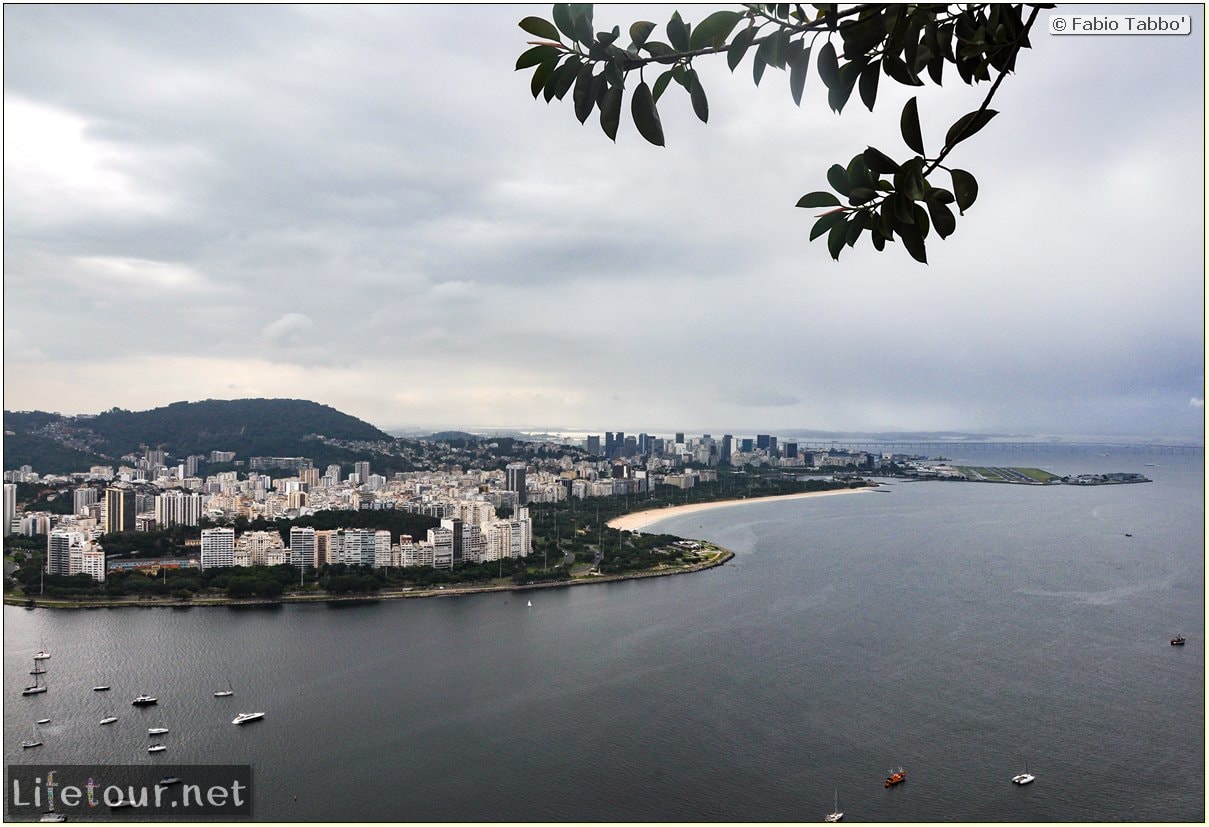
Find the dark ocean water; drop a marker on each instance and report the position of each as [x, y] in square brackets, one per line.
[957, 629]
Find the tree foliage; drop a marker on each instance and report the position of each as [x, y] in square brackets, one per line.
[850, 50]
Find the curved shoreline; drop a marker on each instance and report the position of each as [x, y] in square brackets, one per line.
[626, 522]
[636, 520]
[720, 555]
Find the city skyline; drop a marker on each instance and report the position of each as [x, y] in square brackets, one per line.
[237, 202]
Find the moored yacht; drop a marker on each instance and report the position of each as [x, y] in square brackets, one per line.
[144, 700]
[245, 717]
[157, 730]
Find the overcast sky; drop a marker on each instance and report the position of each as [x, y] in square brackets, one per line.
[364, 206]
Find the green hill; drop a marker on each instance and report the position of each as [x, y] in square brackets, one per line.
[249, 427]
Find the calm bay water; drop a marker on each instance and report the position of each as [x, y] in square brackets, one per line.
[958, 629]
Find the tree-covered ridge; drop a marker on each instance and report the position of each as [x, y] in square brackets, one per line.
[45, 454]
[249, 427]
[266, 426]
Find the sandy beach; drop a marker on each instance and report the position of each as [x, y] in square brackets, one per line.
[641, 519]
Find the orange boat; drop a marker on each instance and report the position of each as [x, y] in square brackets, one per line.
[897, 776]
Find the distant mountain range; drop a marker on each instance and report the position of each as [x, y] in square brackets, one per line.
[51, 443]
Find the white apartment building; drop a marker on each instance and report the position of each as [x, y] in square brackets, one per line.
[217, 547]
[304, 547]
[176, 507]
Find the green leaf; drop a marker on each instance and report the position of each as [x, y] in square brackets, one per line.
[564, 20]
[920, 219]
[661, 83]
[677, 33]
[536, 55]
[878, 162]
[861, 195]
[829, 67]
[646, 116]
[610, 112]
[837, 95]
[540, 28]
[713, 30]
[942, 218]
[568, 73]
[799, 66]
[914, 243]
[856, 224]
[697, 94]
[582, 96]
[836, 238]
[739, 47]
[965, 189]
[657, 48]
[858, 173]
[581, 14]
[913, 185]
[818, 199]
[825, 222]
[540, 75]
[758, 65]
[909, 124]
[868, 84]
[837, 176]
[893, 66]
[967, 125]
[640, 31]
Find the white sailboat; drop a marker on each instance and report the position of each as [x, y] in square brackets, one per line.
[835, 814]
[108, 720]
[35, 741]
[530, 604]
[225, 693]
[1025, 777]
[38, 686]
[157, 730]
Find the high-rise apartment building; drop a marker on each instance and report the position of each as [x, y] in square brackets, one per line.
[441, 540]
[10, 507]
[70, 552]
[359, 547]
[592, 445]
[304, 547]
[81, 498]
[514, 480]
[59, 545]
[119, 509]
[361, 469]
[176, 507]
[217, 547]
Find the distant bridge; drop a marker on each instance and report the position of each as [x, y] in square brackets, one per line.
[933, 448]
